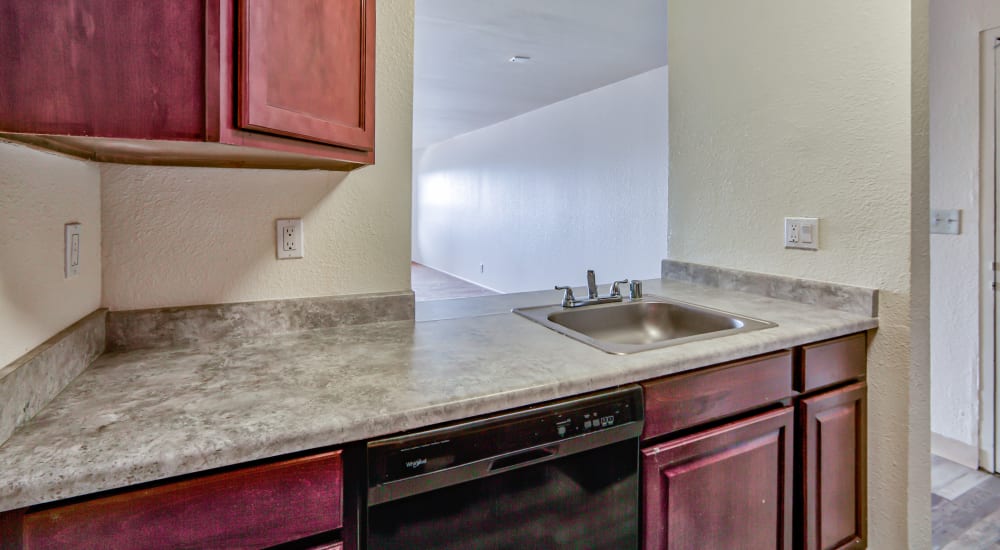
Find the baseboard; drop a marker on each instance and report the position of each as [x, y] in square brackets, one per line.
[955, 451]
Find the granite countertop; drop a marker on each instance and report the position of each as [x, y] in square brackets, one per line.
[143, 415]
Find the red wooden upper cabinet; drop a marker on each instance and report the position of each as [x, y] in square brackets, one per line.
[305, 70]
[254, 83]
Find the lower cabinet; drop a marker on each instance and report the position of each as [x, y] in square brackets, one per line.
[767, 453]
[249, 507]
[833, 491]
[728, 487]
[718, 475]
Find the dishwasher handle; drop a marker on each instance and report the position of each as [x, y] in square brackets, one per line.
[524, 458]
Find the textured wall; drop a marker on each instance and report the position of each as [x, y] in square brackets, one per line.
[39, 193]
[916, 375]
[542, 197]
[809, 113]
[182, 236]
[955, 259]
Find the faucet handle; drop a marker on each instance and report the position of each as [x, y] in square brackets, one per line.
[635, 290]
[615, 291]
[568, 298]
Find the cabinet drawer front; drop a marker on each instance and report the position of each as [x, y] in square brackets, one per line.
[729, 487]
[684, 401]
[832, 362]
[251, 507]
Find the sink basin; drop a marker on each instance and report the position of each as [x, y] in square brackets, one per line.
[639, 325]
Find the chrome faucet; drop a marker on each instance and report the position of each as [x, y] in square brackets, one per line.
[615, 290]
[568, 299]
[615, 294]
[591, 284]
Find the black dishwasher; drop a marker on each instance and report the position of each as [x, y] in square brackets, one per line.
[559, 475]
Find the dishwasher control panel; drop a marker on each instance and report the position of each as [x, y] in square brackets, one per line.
[593, 419]
[466, 442]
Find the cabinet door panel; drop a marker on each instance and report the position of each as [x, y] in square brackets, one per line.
[729, 487]
[307, 70]
[109, 68]
[251, 507]
[833, 488]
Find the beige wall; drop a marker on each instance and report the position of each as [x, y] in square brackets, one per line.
[39, 194]
[180, 236]
[793, 108]
[183, 236]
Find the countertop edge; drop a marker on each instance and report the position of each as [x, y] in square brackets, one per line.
[112, 475]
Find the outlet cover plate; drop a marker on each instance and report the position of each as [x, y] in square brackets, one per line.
[289, 239]
[802, 233]
[72, 263]
[946, 222]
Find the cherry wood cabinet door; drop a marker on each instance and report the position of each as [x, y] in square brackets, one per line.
[107, 68]
[832, 431]
[251, 507]
[306, 70]
[727, 487]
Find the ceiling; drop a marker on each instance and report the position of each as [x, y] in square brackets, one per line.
[463, 79]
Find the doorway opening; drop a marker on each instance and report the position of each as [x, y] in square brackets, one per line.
[540, 143]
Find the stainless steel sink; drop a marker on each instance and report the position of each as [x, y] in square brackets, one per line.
[648, 323]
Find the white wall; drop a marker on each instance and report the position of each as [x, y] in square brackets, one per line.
[39, 194]
[183, 236]
[792, 108]
[542, 197]
[418, 155]
[955, 261]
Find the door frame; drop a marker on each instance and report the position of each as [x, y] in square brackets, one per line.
[989, 437]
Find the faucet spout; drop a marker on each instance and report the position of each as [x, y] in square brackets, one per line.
[591, 284]
[593, 298]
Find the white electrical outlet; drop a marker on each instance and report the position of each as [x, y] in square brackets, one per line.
[802, 233]
[290, 242]
[72, 263]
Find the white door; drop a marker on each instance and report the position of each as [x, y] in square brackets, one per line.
[989, 432]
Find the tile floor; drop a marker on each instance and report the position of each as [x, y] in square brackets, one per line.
[430, 284]
[965, 507]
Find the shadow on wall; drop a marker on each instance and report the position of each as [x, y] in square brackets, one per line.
[39, 193]
[175, 236]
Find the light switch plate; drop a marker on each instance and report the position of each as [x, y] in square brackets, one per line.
[948, 222]
[289, 239]
[802, 233]
[72, 257]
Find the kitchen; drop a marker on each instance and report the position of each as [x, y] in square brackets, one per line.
[205, 235]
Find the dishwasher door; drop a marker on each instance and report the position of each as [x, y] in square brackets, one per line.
[564, 475]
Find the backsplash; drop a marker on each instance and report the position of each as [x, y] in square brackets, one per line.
[29, 383]
[157, 328]
[853, 299]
